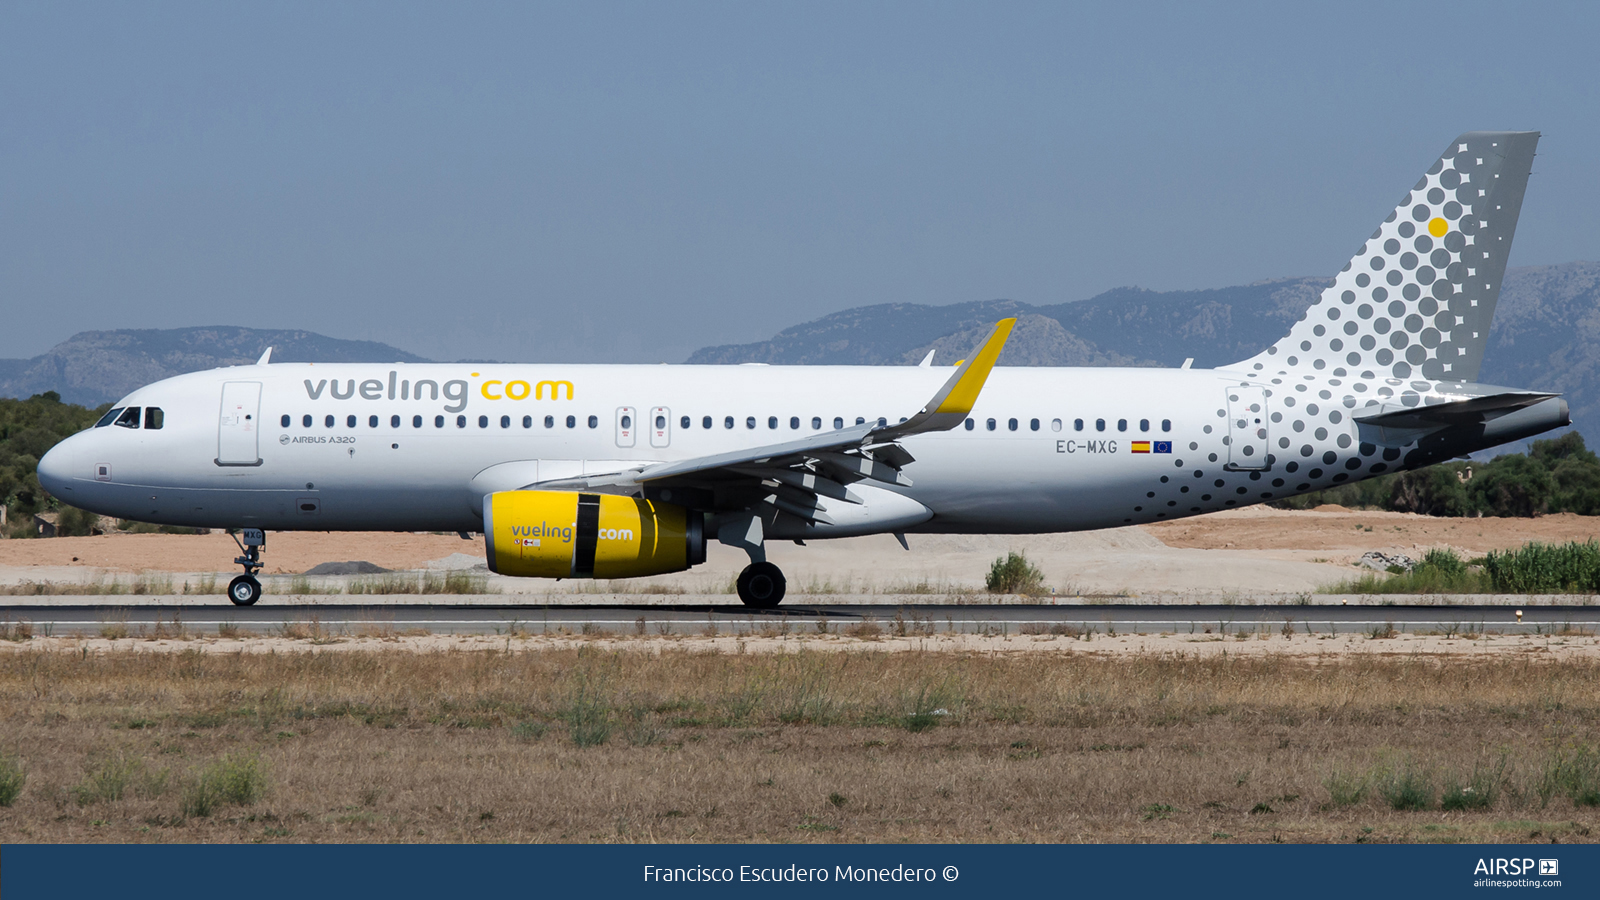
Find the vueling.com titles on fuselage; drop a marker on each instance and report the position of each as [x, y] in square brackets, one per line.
[456, 390]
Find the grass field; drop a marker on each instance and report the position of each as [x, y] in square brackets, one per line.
[576, 744]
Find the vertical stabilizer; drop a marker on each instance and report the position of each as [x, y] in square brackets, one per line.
[1418, 297]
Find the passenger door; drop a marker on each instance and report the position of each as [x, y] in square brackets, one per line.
[1247, 428]
[239, 426]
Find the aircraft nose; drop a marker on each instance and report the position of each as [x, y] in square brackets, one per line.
[55, 469]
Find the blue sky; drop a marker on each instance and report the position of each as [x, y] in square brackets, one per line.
[627, 182]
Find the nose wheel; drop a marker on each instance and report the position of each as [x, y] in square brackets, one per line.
[246, 590]
[761, 585]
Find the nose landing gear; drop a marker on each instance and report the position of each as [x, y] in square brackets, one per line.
[761, 585]
[246, 590]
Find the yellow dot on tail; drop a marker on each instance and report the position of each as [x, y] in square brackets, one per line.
[1438, 227]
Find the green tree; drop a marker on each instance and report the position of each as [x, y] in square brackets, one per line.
[1434, 491]
[1512, 485]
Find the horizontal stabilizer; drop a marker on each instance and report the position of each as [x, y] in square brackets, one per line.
[1459, 412]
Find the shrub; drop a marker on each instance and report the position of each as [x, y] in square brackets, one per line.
[1536, 568]
[1479, 791]
[11, 780]
[75, 522]
[1406, 788]
[1013, 574]
[118, 776]
[588, 714]
[237, 779]
[1346, 788]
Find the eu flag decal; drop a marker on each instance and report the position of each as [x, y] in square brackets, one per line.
[1163, 446]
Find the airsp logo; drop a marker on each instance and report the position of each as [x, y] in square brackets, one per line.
[1549, 867]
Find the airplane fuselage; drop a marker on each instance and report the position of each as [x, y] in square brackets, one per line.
[416, 447]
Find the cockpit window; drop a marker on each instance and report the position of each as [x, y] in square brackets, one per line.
[129, 418]
[153, 418]
[109, 417]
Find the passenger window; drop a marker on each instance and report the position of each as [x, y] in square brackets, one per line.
[1055, 424]
[305, 421]
[750, 422]
[129, 418]
[684, 422]
[627, 421]
[989, 424]
[283, 421]
[461, 421]
[416, 421]
[860, 420]
[705, 422]
[772, 421]
[727, 422]
[372, 421]
[794, 423]
[838, 422]
[1033, 424]
[349, 421]
[111, 416]
[816, 423]
[661, 421]
[1077, 424]
[1122, 424]
[1011, 424]
[483, 421]
[394, 421]
[1166, 424]
[1144, 424]
[438, 421]
[549, 421]
[594, 421]
[505, 421]
[882, 421]
[327, 421]
[1099, 424]
[971, 425]
[527, 421]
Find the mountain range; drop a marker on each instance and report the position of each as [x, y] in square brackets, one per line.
[95, 367]
[1546, 336]
[1546, 333]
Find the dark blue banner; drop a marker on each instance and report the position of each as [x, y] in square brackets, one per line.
[54, 872]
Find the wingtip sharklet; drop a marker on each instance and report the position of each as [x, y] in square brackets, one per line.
[960, 393]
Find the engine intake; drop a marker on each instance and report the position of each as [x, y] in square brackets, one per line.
[565, 534]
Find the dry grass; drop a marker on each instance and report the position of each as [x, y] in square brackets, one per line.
[578, 744]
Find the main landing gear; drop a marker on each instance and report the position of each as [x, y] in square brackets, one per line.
[761, 585]
[246, 590]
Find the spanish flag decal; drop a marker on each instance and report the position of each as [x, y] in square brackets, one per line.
[1141, 446]
[1152, 447]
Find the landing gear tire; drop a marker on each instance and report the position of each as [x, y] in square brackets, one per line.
[761, 585]
[244, 590]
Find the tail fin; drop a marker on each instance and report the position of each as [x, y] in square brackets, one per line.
[1418, 297]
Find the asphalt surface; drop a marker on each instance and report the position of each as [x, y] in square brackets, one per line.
[99, 619]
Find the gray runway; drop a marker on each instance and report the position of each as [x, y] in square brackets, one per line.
[99, 619]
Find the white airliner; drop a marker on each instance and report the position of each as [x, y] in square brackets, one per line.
[614, 471]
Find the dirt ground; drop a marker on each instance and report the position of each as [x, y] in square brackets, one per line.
[1247, 552]
[1336, 529]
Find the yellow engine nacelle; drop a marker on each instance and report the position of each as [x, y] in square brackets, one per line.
[565, 534]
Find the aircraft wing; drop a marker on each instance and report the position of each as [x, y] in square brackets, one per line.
[791, 475]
